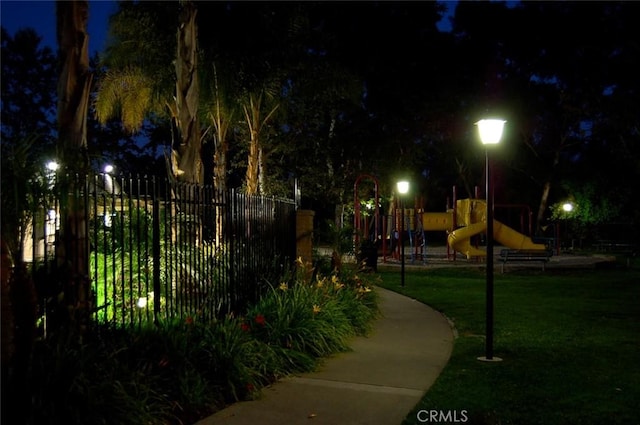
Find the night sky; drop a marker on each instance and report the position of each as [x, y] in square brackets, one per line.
[41, 16]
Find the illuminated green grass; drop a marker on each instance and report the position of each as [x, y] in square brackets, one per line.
[568, 339]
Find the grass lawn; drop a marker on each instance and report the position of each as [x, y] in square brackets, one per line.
[569, 340]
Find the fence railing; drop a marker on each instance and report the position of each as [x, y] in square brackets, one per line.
[160, 250]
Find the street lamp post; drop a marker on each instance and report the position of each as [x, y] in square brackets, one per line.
[52, 168]
[490, 134]
[403, 188]
[567, 207]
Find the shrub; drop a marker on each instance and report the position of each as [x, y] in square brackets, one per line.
[179, 371]
[79, 383]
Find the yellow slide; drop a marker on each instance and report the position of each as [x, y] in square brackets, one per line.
[459, 239]
[512, 238]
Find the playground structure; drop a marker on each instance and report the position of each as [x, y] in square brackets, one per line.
[464, 222]
[471, 220]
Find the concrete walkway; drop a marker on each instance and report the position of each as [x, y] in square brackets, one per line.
[377, 383]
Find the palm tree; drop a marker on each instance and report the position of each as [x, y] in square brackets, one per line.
[185, 108]
[256, 122]
[221, 115]
[139, 81]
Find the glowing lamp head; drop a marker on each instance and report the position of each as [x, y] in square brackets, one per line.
[567, 207]
[403, 187]
[490, 131]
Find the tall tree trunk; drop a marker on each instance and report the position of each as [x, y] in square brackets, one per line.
[255, 122]
[546, 190]
[261, 170]
[220, 173]
[220, 183]
[252, 163]
[187, 96]
[8, 324]
[73, 101]
[221, 118]
[544, 201]
[220, 167]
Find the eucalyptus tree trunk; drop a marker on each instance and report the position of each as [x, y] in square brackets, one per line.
[546, 188]
[73, 101]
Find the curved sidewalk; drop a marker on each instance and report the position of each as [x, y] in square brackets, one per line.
[377, 383]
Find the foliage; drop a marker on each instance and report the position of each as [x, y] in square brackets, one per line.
[338, 238]
[122, 243]
[139, 58]
[352, 102]
[181, 371]
[28, 104]
[28, 88]
[594, 216]
[312, 316]
[122, 230]
[26, 188]
[72, 382]
[123, 279]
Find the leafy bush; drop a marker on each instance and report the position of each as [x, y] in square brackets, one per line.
[78, 383]
[179, 371]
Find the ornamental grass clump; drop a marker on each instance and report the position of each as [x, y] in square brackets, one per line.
[314, 314]
[301, 318]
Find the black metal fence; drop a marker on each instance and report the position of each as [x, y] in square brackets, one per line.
[160, 250]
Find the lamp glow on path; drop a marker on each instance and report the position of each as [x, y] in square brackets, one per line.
[490, 134]
[403, 189]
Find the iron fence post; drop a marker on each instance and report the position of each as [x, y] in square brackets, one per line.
[156, 252]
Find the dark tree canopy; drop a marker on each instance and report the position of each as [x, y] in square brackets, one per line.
[374, 87]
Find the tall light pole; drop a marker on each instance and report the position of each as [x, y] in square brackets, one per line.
[490, 134]
[403, 188]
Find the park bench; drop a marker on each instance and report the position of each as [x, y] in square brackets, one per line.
[520, 255]
[618, 248]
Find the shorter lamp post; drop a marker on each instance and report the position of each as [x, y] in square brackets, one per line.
[490, 134]
[567, 207]
[403, 188]
[52, 167]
